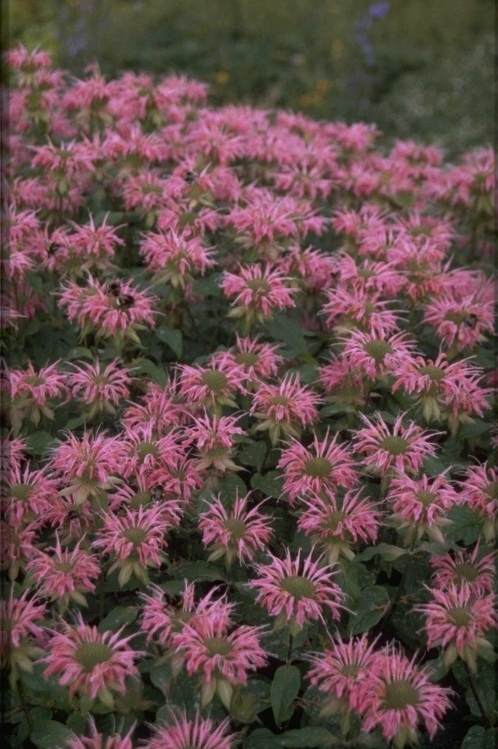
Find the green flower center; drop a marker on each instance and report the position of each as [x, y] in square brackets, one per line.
[215, 381]
[434, 373]
[334, 519]
[34, 380]
[218, 646]
[466, 571]
[460, 616]
[147, 448]
[135, 535]
[399, 695]
[90, 654]
[492, 490]
[299, 587]
[394, 445]
[248, 359]
[318, 468]
[280, 400]
[350, 670]
[259, 285]
[236, 527]
[427, 498]
[64, 567]
[21, 491]
[378, 350]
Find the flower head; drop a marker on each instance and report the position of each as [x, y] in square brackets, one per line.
[183, 733]
[234, 534]
[297, 591]
[93, 664]
[284, 408]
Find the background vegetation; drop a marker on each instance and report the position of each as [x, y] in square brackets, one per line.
[418, 68]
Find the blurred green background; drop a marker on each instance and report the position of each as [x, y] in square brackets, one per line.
[421, 69]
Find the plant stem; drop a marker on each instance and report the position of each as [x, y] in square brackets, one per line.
[25, 707]
[101, 595]
[289, 649]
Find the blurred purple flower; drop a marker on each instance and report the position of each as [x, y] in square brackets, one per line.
[379, 9]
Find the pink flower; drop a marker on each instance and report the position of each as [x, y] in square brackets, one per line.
[89, 466]
[258, 291]
[212, 387]
[21, 633]
[135, 540]
[115, 310]
[284, 408]
[183, 733]
[64, 576]
[340, 669]
[376, 356]
[461, 323]
[457, 620]
[397, 695]
[175, 258]
[465, 569]
[336, 524]
[297, 591]
[222, 659]
[214, 439]
[160, 411]
[161, 619]
[100, 387]
[31, 392]
[444, 390]
[480, 492]
[30, 495]
[343, 384]
[357, 308]
[99, 740]
[235, 534]
[324, 465]
[256, 361]
[400, 448]
[421, 506]
[91, 663]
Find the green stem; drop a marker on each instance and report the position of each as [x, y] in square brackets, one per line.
[289, 649]
[101, 594]
[25, 707]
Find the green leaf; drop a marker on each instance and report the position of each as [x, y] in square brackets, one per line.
[284, 690]
[37, 443]
[284, 329]
[466, 525]
[307, 738]
[118, 617]
[147, 367]
[466, 431]
[253, 454]
[261, 738]
[172, 337]
[49, 734]
[162, 677]
[270, 484]
[201, 571]
[371, 607]
[476, 738]
[76, 722]
[35, 281]
[386, 551]
[230, 486]
[79, 352]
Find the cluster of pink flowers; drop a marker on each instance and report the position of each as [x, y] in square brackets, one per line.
[257, 356]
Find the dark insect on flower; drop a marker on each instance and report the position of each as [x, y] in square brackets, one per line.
[470, 321]
[157, 494]
[190, 178]
[52, 249]
[114, 287]
[124, 301]
[73, 515]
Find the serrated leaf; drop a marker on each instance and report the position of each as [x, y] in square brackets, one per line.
[37, 443]
[161, 677]
[79, 352]
[50, 734]
[253, 454]
[475, 738]
[308, 738]
[467, 431]
[35, 281]
[157, 374]
[118, 617]
[372, 605]
[283, 691]
[286, 330]
[172, 337]
[201, 571]
[466, 525]
[270, 484]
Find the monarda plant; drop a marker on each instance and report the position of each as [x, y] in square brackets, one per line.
[250, 471]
